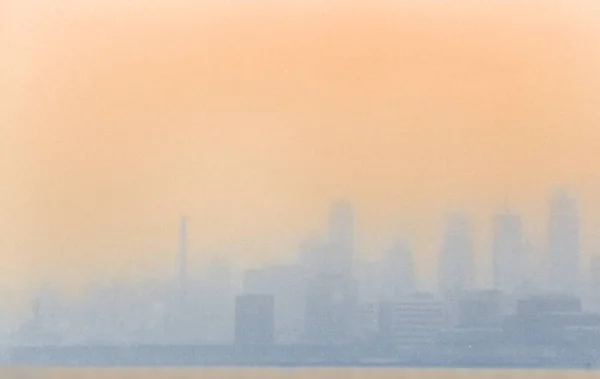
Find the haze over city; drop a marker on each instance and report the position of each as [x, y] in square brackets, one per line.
[300, 183]
[252, 118]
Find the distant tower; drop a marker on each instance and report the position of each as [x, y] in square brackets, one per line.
[508, 252]
[332, 295]
[341, 238]
[182, 274]
[456, 267]
[563, 245]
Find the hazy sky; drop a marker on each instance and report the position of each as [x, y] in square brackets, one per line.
[252, 116]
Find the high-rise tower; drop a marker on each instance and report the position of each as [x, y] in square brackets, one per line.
[331, 297]
[563, 245]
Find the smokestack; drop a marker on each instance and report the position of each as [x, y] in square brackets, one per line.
[183, 252]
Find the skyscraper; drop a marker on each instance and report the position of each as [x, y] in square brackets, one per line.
[508, 249]
[332, 295]
[341, 238]
[563, 245]
[456, 255]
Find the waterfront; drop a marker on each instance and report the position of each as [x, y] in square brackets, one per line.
[259, 373]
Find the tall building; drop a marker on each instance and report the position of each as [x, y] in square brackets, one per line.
[563, 245]
[255, 320]
[508, 252]
[341, 239]
[456, 266]
[332, 294]
[399, 272]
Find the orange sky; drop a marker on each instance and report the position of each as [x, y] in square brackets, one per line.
[251, 117]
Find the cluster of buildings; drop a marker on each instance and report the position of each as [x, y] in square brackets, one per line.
[331, 298]
[377, 305]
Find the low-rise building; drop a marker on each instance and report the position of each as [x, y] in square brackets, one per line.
[413, 323]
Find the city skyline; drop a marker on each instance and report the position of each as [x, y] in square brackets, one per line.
[308, 302]
[184, 261]
[300, 183]
[333, 251]
[114, 122]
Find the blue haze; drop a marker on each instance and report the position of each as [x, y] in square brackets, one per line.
[330, 307]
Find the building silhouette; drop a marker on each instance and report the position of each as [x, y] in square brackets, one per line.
[332, 293]
[563, 245]
[414, 322]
